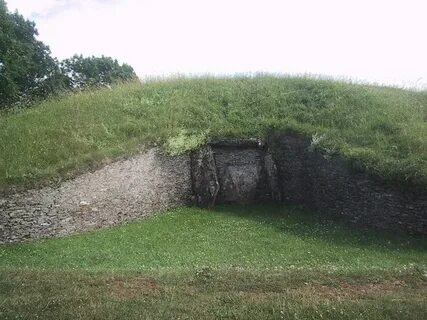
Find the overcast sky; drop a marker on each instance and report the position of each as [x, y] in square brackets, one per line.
[382, 41]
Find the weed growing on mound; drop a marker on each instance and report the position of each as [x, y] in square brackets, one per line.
[184, 142]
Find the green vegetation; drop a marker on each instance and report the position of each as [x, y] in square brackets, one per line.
[26, 67]
[247, 237]
[259, 262]
[85, 72]
[29, 73]
[211, 295]
[380, 129]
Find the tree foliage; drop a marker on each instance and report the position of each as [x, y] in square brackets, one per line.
[28, 72]
[95, 71]
[26, 68]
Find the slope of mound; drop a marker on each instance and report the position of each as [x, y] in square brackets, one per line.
[380, 129]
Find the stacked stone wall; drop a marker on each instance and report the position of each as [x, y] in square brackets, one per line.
[122, 191]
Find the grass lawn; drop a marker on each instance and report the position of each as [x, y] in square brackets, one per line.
[380, 129]
[259, 262]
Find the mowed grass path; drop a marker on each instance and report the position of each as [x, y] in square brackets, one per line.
[246, 237]
[262, 262]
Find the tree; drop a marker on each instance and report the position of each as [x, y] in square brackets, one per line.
[95, 71]
[27, 70]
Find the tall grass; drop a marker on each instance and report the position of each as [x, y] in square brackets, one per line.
[381, 129]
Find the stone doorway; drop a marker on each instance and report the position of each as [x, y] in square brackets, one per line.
[239, 171]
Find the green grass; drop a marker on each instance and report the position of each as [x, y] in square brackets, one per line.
[380, 129]
[216, 295]
[228, 237]
[262, 262]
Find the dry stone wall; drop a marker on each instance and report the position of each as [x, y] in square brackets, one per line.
[119, 192]
[286, 169]
[330, 187]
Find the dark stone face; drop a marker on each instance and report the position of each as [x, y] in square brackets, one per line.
[242, 170]
[241, 174]
[329, 186]
[204, 177]
[289, 170]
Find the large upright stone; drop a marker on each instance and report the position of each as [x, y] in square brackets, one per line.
[204, 177]
[236, 171]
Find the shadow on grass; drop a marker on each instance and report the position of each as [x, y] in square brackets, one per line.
[307, 224]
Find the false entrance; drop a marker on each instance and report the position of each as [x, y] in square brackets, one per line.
[238, 171]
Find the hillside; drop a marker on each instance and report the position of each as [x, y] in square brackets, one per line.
[382, 130]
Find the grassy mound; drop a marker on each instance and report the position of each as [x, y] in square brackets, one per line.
[263, 262]
[381, 129]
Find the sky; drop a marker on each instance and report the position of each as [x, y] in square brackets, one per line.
[377, 41]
